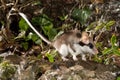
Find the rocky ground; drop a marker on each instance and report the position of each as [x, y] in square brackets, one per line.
[34, 69]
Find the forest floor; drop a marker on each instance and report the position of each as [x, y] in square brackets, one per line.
[16, 63]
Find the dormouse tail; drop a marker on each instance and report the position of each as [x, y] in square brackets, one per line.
[28, 22]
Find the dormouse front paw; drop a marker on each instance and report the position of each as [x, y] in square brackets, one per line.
[75, 58]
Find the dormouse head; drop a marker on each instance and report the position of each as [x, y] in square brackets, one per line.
[87, 40]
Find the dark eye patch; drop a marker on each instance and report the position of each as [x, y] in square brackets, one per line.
[90, 45]
[83, 44]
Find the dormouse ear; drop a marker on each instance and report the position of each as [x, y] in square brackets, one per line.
[90, 33]
[76, 30]
[92, 36]
[85, 37]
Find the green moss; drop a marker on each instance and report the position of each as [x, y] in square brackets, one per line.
[7, 70]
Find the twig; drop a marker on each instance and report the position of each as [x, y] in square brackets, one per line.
[98, 37]
[23, 6]
[3, 3]
[15, 3]
[10, 13]
[7, 5]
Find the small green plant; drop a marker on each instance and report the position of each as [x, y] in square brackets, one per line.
[45, 23]
[51, 55]
[81, 15]
[113, 49]
[23, 25]
[25, 35]
[118, 78]
[7, 70]
[42, 22]
[62, 18]
[100, 25]
[105, 57]
[97, 59]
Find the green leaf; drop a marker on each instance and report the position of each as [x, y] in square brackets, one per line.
[62, 18]
[107, 51]
[46, 25]
[25, 45]
[100, 26]
[109, 24]
[118, 78]
[52, 33]
[36, 21]
[38, 41]
[85, 14]
[91, 26]
[81, 15]
[50, 57]
[21, 35]
[35, 37]
[23, 25]
[113, 40]
[47, 28]
[29, 36]
[49, 31]
[76, 14]
[97, 59]
[117, 52]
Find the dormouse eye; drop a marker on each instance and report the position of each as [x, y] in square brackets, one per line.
[90, 45]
